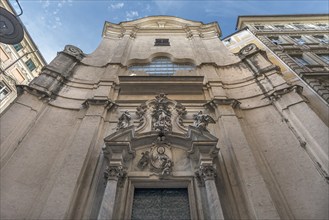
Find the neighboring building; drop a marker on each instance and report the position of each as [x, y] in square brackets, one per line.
[15, 72]
[300, 41]
[162, 121]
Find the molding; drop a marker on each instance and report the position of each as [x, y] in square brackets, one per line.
[279, 93]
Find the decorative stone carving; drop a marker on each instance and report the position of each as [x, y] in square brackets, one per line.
[201, 120]
[140, 114]
[161, 114]
[74, 51]
[145, 160]
[124, 120]
[159, 157]
[181, 111]
[205, 172]
[115, 172]
[250, 48]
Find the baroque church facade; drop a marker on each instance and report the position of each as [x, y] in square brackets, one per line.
[163, 121]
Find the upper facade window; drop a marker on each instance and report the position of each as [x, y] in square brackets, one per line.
[161, 42]
[300, 60]
[276, 40]
[262, 27]
[4, 91]
[161, 66]
[30, 64]
[299, 40]
[322, 38]
[18, 46]
[324, 57]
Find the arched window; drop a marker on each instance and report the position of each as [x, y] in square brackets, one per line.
[161, 66]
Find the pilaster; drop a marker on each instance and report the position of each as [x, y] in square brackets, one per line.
[241, 159]
[61, 199]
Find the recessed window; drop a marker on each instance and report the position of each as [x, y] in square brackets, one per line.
[276, 40]
[161, 42]
[30, 64]
[18, 46]
[324, 57]
[162, 66]
[262, 27]
[300, 60]
[322, 38]
[299, 40]
[4, 91]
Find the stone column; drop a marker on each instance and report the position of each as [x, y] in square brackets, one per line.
[115, 175]
[206, 175]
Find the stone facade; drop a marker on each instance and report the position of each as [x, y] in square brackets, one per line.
[162, 103]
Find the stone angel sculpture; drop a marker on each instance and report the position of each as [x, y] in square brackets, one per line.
[124, 120]
[201, 120]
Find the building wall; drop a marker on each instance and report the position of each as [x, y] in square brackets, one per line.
[23, 71]
[268, 146]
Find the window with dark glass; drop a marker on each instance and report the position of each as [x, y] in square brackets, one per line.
[276, 40]
[30, 64]
[299, 40]
[161, 42]
[4, 91]
[161, 66]
[18, 46]
[322, 38]
[324, 57]
[300, 60]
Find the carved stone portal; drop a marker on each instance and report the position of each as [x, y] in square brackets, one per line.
[161, 114]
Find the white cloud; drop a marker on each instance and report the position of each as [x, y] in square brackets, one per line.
[131, 15]
[117, 5]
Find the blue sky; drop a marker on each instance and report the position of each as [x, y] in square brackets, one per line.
[56, 23]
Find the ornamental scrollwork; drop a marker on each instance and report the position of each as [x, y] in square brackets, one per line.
[74, 51]
[161, 115]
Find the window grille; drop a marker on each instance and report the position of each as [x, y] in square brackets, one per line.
[161, 42]
[161, 66]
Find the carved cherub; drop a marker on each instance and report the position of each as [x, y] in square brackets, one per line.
[201, 120]
[144, 161]
[124, 120]
[166, 166]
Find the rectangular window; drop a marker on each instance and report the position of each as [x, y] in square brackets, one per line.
[300, 60]
[276, 40]
[299, 40]
[161, 42]
[30, 65]
[322, 38]
[18, 46]
[4, 91]
[324, 57]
